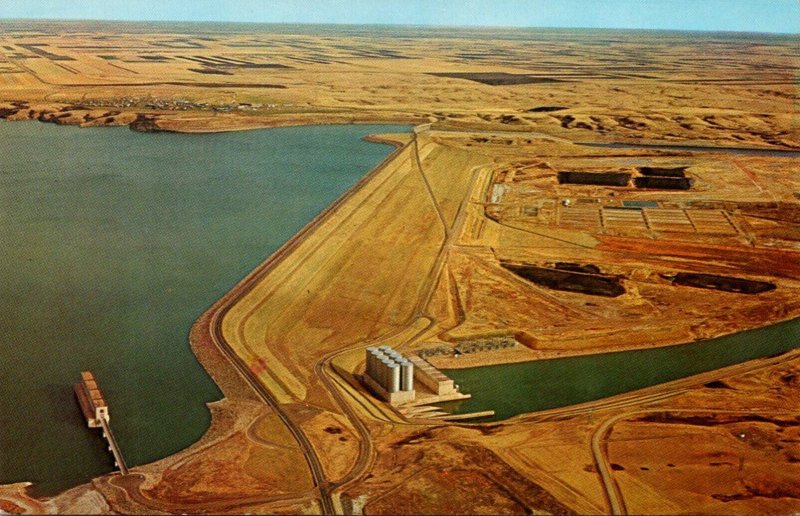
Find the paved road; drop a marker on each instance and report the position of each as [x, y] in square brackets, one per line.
[320, 481]
[598, 442]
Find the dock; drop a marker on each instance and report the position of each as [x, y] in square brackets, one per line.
[468, 415]
[95, 410]
[113, 447]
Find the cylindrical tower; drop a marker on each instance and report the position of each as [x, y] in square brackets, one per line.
[384, 375]
[377, 356]
[370, 368]
[394, 377]
[395, 355]
[407, 375]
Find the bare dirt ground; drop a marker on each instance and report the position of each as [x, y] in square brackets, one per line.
[423, 252]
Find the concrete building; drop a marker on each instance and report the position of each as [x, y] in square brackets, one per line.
[389, 375]
[91, 400]
[432, 378]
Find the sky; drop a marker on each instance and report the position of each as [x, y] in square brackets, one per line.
[714, 15]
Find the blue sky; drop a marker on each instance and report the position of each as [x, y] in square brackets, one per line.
[733, 15]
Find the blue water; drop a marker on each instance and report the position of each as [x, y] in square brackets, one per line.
[512, 389]
[112, 244]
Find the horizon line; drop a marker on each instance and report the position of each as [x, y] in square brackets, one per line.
[433, 26]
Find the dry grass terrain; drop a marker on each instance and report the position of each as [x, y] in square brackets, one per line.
[473, 227]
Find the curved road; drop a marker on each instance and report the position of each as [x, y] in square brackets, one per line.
[366, 448]
[323, 368]
[612, 490]
[242, 289]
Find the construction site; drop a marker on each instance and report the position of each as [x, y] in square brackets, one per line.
[627, 193]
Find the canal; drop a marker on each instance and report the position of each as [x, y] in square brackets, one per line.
[511, 389]
[113, 243]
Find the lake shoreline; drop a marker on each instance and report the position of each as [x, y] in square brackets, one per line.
[207, 349]
[236, 408]
[193, 122]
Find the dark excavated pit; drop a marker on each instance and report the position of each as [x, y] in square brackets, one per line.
[723, 283]
[663, 172]
[546, 109]
[717, 384]
[593, 284]
[588, 268]
[663, 183]
[594, 178]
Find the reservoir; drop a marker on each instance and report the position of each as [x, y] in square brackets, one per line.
[112, 244]
[512, 389]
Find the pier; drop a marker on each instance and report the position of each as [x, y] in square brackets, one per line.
[95, 410]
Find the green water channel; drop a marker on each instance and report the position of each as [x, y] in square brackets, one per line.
[112, 243]
[512, 389]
